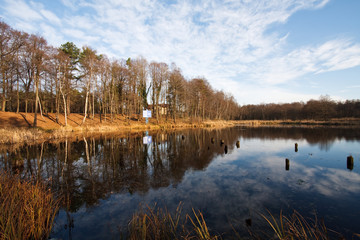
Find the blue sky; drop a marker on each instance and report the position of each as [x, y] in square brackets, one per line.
[263, 51]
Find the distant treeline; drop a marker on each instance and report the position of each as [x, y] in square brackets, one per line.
[322, 109]
[36, 77]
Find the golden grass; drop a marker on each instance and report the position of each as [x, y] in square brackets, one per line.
[16, 135]
[27, 210]
[157, 224]
[14, 127]
[13, 135]
[200, 228]
[297, 227]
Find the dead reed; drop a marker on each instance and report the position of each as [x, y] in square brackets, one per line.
[297, 227]
[27, 209]
[15, 135]
[157, 223]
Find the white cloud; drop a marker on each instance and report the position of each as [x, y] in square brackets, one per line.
[53, 36]
[21, 10]
[330, 56]
[71, 4]
[246, 92]
[338, 55]
[51, 17]
[225, 41]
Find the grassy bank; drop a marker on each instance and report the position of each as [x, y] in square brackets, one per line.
[17, 128]
[351, 122]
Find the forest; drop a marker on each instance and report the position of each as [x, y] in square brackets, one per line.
[39, 78]
[322, 109]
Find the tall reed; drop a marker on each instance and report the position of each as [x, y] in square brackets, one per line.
[27, 210]
[16, 135]
[297, 227]
[157, 223]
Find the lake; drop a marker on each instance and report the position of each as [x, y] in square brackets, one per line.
[104, 180]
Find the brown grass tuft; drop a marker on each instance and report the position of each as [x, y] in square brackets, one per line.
[15, 135]
[157, 223]
[297, 227]
[27, 209]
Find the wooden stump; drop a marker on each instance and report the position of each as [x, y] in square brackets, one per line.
[287, 164]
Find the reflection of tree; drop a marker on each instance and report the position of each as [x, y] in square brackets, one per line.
[84, 172]
[324, 137]
[325, 146]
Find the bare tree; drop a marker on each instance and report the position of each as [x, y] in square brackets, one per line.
[71, 71]
[10, 43]
[159, 73]
[88, 60]
[175, 94]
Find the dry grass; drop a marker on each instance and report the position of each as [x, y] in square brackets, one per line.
[200, 228]
[297, 227]
[157, 223]
[16, 135]
[14, 128]
[331, 122]
[27, 209]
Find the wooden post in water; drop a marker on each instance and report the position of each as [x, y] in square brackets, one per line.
[287, 164]
[296, 147]
[238, 144]
[226, 149]
[350, 162]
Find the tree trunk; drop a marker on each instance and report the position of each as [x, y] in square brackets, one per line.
[4, 92]
[86, 105]
[26, 105]
[93, 101]
[65, 105]
[40, 108]
[17, 97]
[68, 104]
[36, 100]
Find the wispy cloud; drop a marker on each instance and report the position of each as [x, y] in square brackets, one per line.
[330, 56]
[51, 17]
[225, 41]
[21, 10]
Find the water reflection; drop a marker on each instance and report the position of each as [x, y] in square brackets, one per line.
[91, 169]
[105, 178]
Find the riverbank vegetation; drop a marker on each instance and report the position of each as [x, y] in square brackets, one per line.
[27, 210]
[16, 128]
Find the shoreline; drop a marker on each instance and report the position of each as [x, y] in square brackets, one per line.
[15, 128]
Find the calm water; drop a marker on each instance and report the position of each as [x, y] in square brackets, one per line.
[105, 180]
